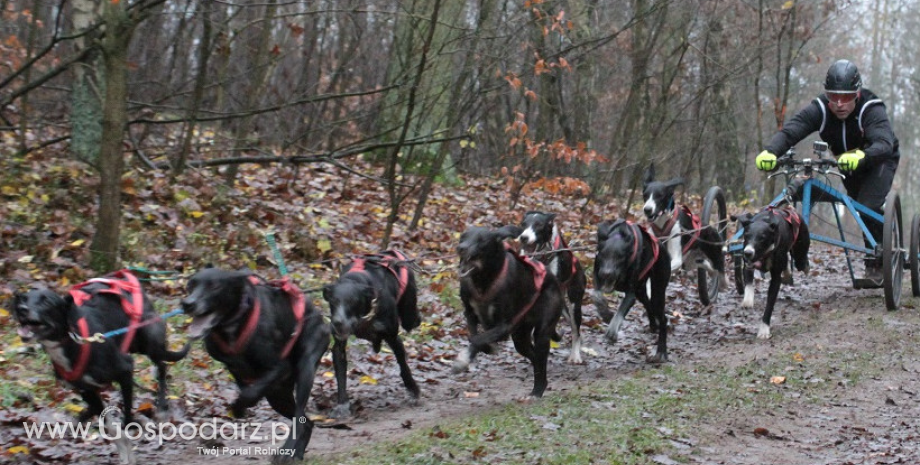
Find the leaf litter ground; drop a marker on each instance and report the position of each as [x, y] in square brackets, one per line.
[872, 421]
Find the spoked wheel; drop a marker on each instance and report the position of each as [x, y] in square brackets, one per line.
[914, 250]
[713, 204]
[892, 252]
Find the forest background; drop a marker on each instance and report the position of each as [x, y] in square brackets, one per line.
[561, 95]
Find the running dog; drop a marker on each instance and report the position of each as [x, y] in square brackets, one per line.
[67, 328]
[543, 241]
[270, 338]
[506, 294]
[629, 260]
[688, 243]
[374, 295]
[770, 237]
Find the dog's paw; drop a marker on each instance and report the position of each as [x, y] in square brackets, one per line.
[575, 358]
[462, 363]
[611, 335]
[340, 411]
[237, 410]
[282, 459]
[748, 301]
[763, 332]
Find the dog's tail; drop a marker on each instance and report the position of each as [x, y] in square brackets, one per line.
[175, 356]
[482, 341]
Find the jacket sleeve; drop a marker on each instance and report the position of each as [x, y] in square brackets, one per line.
[877, 134]
[805, 122]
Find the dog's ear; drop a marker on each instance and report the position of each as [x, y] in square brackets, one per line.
[675, 182]
[509, 231]
[603, 230]
[744, 220]
[649, 174]
[327, 292]
[551, 216]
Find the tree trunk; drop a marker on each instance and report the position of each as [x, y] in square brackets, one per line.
[204, 53]
[119, 30]
[393, 160]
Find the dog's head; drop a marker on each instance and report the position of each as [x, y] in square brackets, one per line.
[616, 246]
[212, 296]
[350, 301]
[761, 233]
[658, 196]
[480, 246]
[42, 315]
[537, 230]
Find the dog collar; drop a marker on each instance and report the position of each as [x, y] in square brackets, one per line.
[664, 230]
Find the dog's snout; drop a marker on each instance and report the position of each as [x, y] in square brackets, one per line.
[188, 305]
[648, 210]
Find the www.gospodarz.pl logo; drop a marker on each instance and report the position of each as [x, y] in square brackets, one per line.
[111, 428]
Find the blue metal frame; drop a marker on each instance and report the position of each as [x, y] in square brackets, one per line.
[856, 209]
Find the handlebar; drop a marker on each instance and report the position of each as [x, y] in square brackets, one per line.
[808, 165]
[813, 162]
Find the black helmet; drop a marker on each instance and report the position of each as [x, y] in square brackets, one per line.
[842, 76]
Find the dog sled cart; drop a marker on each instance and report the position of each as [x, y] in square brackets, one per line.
[807, 182]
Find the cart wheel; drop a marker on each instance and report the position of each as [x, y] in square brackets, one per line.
[714, 203]
[914, 251]
[892, 252]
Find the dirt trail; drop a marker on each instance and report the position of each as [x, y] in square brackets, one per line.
[876, 421]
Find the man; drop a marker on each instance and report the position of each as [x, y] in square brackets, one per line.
[854, 123]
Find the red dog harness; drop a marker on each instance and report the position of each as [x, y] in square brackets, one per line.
[79, 368]
[298, 305]
[637, 231]
[791, 216]
[559, 244]
[695, 222]
[539, 275]
[126, 286]
[387, 260]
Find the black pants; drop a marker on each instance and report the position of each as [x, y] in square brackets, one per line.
[868, 185]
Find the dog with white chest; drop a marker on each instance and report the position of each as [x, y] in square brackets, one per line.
[770, 238]
[629, 260]
[689, 244]
[542, 240]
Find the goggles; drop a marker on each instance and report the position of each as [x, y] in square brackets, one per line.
[841, 98]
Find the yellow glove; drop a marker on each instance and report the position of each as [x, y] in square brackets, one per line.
[766, 161]
[850, 160]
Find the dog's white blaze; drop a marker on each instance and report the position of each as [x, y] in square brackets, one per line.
[748, 301]
[763, 331]
[650, 204]
[648, 287]
[528, 236]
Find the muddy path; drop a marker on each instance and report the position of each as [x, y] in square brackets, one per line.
[875, 421]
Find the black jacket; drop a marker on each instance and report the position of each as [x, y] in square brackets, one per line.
[867, 128]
